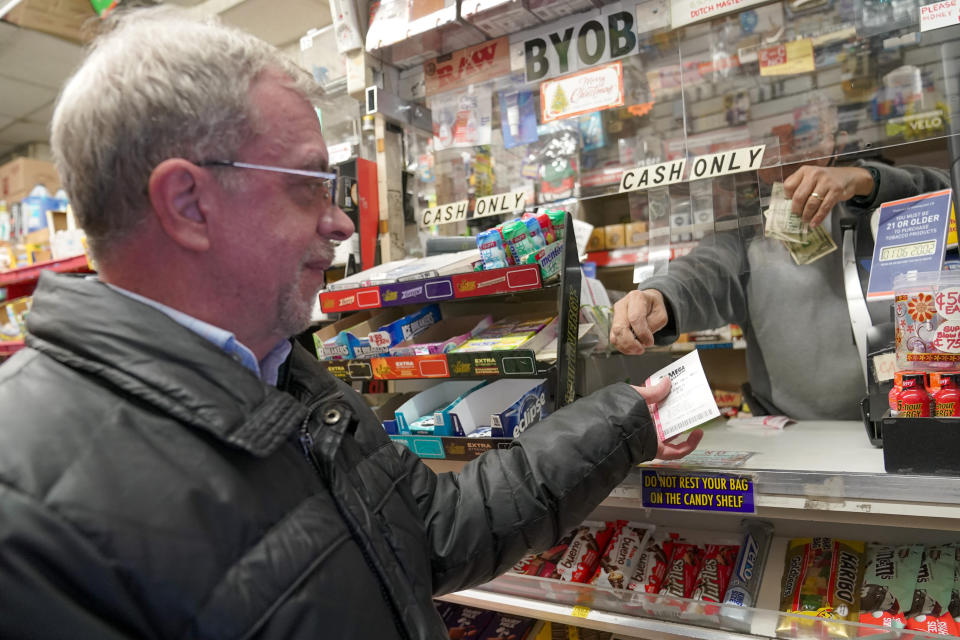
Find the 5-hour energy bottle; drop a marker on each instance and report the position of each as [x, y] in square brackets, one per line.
[914, 400]
[947, 399]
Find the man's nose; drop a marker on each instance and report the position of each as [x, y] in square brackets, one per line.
[335, 224]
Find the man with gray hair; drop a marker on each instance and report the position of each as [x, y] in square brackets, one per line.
[172, 465]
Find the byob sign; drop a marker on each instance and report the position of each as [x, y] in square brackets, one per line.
[574, 43]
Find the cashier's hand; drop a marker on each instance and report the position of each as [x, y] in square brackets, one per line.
[636, 317]
[815, 190]
[672, 448]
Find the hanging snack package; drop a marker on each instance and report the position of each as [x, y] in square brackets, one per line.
[821, 579]
[927, 317]
[546, 225]
[580, 560]
[931, 596]
[889, 578]
[535, 233]
[558, 218]
[744, 588]
[516, 239]
[622, 555]
[492, 251]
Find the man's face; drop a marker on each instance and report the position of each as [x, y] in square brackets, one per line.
[275, 238]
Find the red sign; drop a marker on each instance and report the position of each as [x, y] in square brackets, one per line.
[349, 299]
[478, 63]
[506, 280]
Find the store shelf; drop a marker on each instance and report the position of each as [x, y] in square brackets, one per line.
[455, 287]
[823, 467]
[639, 255]
[585, 617]
[517, 363]
[30, 274]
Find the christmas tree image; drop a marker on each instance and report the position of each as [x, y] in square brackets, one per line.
[560, 101]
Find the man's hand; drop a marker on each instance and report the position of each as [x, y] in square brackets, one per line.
[814, 190]
[670, 449]
[636, 317]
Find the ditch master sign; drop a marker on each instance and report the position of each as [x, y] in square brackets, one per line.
[460, 211]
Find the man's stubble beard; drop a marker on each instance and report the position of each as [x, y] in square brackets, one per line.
[294, 313]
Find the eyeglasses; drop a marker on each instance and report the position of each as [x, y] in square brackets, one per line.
[327, 181]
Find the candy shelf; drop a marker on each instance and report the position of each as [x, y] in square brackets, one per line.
[811, 479]
[629, 257]
[24, 278]
[445, 288]
[520, 363]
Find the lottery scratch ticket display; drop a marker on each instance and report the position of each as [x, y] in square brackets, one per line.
[927, 310]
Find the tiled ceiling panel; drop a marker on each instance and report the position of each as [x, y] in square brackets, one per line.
[24, 132]
[279, 23]
[36, 57]
[18, 98]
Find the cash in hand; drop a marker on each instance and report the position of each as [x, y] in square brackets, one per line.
[805, 245]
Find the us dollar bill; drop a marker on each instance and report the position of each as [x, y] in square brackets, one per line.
[819, 243]
[781, 223]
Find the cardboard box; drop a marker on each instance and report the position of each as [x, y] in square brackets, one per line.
[597, 240]
[613, 236]
[19, 176]
[61, 18]
[636, 234]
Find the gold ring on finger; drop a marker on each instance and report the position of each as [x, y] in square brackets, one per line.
[816, 195]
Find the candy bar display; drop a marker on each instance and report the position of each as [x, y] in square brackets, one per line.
[889, 578]
[821, 579]
[743, 590]
[622, 556]
[519, 240]
[929, 609]
[581, 557]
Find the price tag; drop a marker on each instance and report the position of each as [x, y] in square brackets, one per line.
[948, 337]
[379, 339]
[580, 611]
[948, 302]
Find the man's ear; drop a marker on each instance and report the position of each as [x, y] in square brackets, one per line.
[175, 189]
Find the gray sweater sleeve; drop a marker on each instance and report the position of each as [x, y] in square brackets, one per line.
[704, 289]
[893, 183]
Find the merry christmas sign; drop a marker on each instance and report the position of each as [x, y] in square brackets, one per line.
[579, 93]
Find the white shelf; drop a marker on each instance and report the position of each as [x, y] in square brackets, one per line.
[604, 621]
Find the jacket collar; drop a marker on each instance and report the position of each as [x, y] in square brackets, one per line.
[83, 324]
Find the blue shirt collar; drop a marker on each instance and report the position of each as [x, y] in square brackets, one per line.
[267, 370]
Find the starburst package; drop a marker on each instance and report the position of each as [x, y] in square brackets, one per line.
[927, 315]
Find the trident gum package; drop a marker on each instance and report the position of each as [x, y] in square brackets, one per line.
[821, 579]
[580, 560]
[889, 578]
[932, 593]
[620, 560]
